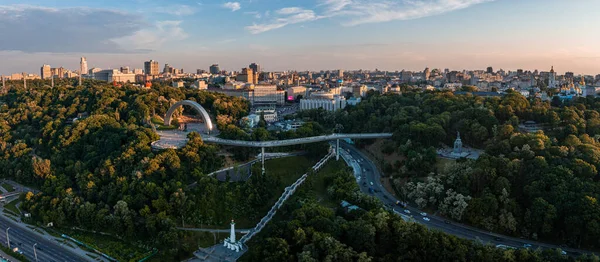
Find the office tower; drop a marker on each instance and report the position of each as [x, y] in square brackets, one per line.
[490, 70]
[151, 67]
[46, 71]
[256, 67]
[83, 66]
[214, 69]
[341, 73]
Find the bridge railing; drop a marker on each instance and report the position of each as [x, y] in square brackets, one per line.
[288, 192]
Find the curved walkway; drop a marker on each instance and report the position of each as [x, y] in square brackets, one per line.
[295, 141]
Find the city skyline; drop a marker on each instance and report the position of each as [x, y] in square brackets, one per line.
[301, 35]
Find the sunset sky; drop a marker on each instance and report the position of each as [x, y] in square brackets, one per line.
[302, 34]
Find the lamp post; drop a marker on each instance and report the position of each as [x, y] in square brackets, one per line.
[34, 252]
[7, 238]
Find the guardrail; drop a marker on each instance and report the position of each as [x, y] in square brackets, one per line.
[289, 191]
[295, 141]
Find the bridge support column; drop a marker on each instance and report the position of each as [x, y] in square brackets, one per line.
[262, 156]
[337, 150]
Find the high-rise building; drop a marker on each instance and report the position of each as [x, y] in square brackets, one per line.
[490, 70]
[138, 71]
[151, 67]
[426, 74]
[46, 72]
[83, 66]
[341, 73]
[248, 75]
[214, 69]
[58, 72]
[256, 68]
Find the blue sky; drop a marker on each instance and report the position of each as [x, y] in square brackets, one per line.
[302, 34]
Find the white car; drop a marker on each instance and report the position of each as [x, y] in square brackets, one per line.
[423, 214]
[406, 211]
[426, 219]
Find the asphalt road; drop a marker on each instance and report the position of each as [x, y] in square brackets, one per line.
[47, 251]
[371, 174]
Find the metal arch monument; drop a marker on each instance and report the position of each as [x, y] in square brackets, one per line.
[196, 106]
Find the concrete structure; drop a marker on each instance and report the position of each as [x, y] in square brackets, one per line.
[267, 94]
[151, 67]
[46, 72]
[199, 84]
[230, 242]
[359, 91]
[256, 68]
[177, 84]
[196, 106]
[353, 101]
[83, 66]
[296, 91]
[113, 75]
[269, 113]
[248, 76]
[552, 79]
[337, 103]
[234, 85]
[94, 70]
[215, 69]
[251, 120]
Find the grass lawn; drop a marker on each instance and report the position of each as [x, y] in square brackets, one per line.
[288, 170]
[319, 187]
[109, 245]
[12, 206]
[316, 189]
[8, 187]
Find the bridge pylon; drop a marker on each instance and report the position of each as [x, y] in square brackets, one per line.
[262, 156]
[337, 150]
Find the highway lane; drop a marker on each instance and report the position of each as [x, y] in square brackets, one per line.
[47, 250]
[371, 174]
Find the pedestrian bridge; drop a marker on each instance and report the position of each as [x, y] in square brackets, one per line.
[290, 142]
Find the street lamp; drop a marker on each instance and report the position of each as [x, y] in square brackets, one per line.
[34, 252]
[7, 239]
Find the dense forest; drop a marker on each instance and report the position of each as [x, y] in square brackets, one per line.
[87, 149]
[536, 185]
[99, 173]
[308, 230]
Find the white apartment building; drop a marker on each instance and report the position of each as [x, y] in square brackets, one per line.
[113, 75]
[337, 103]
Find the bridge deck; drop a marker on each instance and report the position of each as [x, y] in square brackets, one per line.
[289, 142]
